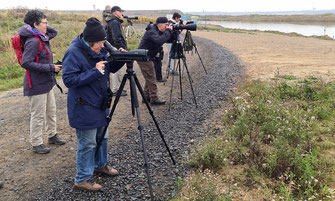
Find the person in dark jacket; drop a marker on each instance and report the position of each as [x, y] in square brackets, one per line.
[106, 13]
[86, 74]
[117, 38]
[154, 38]
[39, 79]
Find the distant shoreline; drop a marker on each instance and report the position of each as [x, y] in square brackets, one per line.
[324, 19]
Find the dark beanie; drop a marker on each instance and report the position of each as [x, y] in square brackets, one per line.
[94, 31]
[161, 20]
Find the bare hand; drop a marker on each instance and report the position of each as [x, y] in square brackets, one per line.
[169, 27]
[122, 50]
[100, 65]
[58, 68]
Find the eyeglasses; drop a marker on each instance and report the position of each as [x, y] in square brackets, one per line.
[100, 43]
[44, 22]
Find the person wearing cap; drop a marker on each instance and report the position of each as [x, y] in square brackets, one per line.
[86, 74]
[155, 36]
[117, 38]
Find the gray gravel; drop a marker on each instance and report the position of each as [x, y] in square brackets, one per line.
[182, 127]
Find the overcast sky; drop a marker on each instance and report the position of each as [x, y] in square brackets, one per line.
[183, 5]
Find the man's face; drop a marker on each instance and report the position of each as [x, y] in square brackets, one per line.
[97, 46]
[118, 13]
[162, 26]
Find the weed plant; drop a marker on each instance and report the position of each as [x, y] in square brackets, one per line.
[279, 131]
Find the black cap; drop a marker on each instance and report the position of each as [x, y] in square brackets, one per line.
[161, 20]
[116, 8]
[94, 31]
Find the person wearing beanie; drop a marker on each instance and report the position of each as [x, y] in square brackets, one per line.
[86, 74]
[39, 80]
[117, 38]
[154, 38]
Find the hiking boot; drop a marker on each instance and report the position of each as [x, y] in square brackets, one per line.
[1, 184]
[57, 140]
[41, 149]
[161, 80]
[123, 93]
[148, 99]
[158, 102]
[107, 170]
[173, 72]
[85, 185]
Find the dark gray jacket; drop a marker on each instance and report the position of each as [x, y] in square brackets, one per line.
[41, 74]
[115, 32]
[153, 39]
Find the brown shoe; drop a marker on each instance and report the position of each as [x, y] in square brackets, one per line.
[107, 170]
[85, 185]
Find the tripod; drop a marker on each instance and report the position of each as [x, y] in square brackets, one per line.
[179, 54]
[130, 28]
[135, 109]
[189, 44]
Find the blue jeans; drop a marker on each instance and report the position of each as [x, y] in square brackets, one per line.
[86, 160]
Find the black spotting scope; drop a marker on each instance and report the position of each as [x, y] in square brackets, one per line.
[116, 55]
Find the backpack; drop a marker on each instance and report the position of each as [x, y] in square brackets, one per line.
[18, 45]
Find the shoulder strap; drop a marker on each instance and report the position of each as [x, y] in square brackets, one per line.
[41, 48]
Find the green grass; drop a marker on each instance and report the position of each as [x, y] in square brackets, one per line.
[278, 131]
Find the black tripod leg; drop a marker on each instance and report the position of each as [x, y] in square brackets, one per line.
[140, 128]
[180, 84]
[168, 69]
[171, 92]
[109, 117]
[153, 117]
[196, 50]
[190, 80]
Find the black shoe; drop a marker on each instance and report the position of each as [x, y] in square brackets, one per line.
[161, 80]
[41, 149]
[123, 93]
[148, 99]
[158, 102]
[56, 140]
[1, 184]
[173, 72]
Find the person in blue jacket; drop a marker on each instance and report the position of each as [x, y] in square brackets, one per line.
[86, 74]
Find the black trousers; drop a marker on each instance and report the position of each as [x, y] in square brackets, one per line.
[158, 68]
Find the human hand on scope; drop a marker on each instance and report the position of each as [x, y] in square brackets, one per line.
[169, 26]
[122, 50]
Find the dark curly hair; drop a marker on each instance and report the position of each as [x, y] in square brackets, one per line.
[34, 16]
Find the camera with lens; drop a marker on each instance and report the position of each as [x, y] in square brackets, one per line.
[59, 62]
[191, 26]
[107, 101]
[130, 17]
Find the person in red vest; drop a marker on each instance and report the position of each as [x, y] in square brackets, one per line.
[39, 80]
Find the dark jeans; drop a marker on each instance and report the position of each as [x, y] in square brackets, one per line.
[158, 68]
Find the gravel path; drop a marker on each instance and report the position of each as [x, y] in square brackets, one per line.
[182, 128]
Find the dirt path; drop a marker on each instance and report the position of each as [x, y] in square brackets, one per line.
[266, 54]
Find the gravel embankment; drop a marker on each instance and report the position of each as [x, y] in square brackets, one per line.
[182, 128]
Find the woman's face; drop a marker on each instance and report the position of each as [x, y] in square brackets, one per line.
[42, 27]
[97, 46]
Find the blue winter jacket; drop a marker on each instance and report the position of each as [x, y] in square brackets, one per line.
[87, 86]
